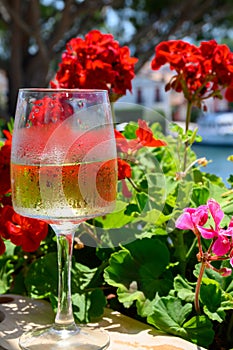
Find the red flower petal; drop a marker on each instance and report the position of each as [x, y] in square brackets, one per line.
[121, 142]
[229, 93]
[146, 137]
[124, 169]
[125, 191]
[22, 231]
[50, 109]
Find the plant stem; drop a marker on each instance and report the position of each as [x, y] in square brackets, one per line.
[191, 249]
[181, 252]
[188, 116]
[134, 185]
[198, 287]
[64, 317]
[187, 122]
[113, 114]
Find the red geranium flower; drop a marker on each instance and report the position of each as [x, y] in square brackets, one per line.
[121, 142]
[5, 154]
[124, 169]
[96, 62]
[50, 109]
[202, 71]
[22, 231]
[144, 138]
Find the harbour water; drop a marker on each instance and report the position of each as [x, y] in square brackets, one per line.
[218, 155]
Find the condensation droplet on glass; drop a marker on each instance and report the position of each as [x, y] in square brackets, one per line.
[78, 121]
[30, 100]
[80, 104]
[54, 119]
[28, 124]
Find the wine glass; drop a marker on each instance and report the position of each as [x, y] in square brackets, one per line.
[63, 171]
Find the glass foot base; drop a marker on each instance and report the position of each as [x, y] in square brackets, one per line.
[83, 338]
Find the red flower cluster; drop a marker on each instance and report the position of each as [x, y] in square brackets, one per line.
[96, 62]
[50, 109]
[21, 231]
[5, 154]
[128, 147]
[202, 71]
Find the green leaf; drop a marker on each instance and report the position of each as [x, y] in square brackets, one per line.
[81, 305]
[145, 307]
[185, 290]
[210, 276]
[155, 217]
[199, 330]
[170, 316]
[131, 209]
[174, 127]
[97, 304]
[121, 270]
[6, 271]
[82, 277]
[41, 279]
[127, 296]
[193, 135]
[129, 131]
[117, 219]
[19, 285]
[211, 297]
[10, 248]
[200, 195]
[139, 266]
[142, 200]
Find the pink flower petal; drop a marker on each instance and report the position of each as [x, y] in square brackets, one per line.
[231, 222]
[200, 216]
[221, 246]
[207, 233]
[184, 222]
[215, 211]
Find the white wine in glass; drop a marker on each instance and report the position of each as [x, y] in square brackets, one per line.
[63, 171]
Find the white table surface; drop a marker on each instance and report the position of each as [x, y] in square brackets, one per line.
[18, 314]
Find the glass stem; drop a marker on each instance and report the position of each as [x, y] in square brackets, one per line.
[64, 317]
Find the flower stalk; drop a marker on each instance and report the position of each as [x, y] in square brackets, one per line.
[187, 122]
[221, 244]
[198, 287]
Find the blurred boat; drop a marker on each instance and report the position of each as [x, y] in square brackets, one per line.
[216, 128]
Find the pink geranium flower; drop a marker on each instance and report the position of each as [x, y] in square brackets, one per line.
[195, 219]
[192, 217]
[222, 244]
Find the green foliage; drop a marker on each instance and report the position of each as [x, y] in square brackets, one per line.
[46, 268]
[141, 258]
[140, 267]
[171, 316]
